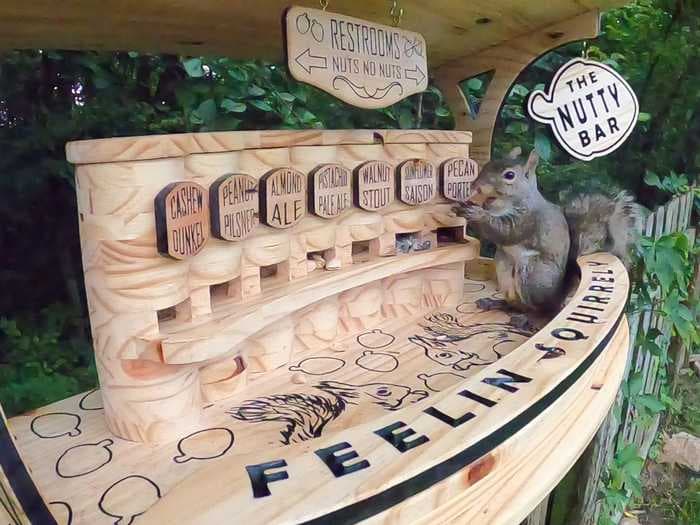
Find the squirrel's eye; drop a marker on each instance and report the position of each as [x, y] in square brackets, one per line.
[509, 175]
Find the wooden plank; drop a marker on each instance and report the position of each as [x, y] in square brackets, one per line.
[302, 506]
[124, 149]
[660, 222]
[240, 30]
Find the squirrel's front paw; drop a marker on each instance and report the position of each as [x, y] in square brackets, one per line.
[471, 212]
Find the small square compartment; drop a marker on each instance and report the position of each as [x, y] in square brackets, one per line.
[270, 275]
[450, 235]
[319, 258]
[220, 293]
[172, 314]
[360, 251]
[411, 242]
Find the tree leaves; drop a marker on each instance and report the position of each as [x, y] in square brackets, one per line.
[206, 111]
[233, 106]
[193, 67]
[543, 146]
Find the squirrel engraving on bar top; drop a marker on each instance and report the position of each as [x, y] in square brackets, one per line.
[535, 239]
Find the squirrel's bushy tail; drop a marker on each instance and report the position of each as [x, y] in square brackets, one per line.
[601, 223]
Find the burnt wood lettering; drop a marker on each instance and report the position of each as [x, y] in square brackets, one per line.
[260, 478]
[182, 219]
[590, 108]
[398, 439]
[504, 382]
[282, 197]
[337, 462]
[330, 190]
[550, 352]
[456, 177]
[233, 200]
[568, 334]
[417, 182]
[363, 63]
[373, 187]
[476, 397]
[447, 419]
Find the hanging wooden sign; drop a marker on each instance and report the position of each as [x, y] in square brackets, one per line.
[362, 63]
[589, 106]
[233, 200]
[417, 182]
[182, 219]
[457, 174]
[282, 197]
[330, 190]
[374, 185]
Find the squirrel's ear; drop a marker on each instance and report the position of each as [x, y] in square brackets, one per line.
[515, 153]
[531, 164]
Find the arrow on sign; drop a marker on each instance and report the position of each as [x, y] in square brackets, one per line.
[308, 61]
[415, 74]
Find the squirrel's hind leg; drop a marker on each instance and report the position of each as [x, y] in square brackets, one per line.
[539, 284]
[505, 275]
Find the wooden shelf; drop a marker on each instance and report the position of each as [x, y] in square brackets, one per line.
[451, 28]
[233, 320]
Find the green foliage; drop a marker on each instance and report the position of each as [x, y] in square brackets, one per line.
[38, 364]
[667, 264]
[672, 183]
[623, 475]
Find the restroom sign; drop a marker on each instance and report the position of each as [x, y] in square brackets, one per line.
[590, 108]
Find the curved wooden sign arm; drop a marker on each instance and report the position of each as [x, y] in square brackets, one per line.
[507, 61]
[556, 386]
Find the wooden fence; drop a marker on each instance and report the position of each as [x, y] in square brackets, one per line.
[621, 426]
[617, 432]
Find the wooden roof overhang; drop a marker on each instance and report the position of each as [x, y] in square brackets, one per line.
[464, 38]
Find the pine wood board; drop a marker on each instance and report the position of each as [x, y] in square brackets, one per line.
[214, 489]
[121, 149]
[242, 30]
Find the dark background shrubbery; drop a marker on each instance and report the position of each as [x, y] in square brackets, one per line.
[48, 98]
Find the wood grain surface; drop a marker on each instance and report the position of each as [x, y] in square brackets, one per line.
[361, 62]
[242, 30]
[428, 370]
[171, 336]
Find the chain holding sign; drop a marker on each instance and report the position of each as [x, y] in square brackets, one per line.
[362, 63]
[589, 106]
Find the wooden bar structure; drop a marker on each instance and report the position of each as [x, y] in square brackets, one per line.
[285, 322]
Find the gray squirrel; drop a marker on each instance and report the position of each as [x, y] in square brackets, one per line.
[535, 239]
